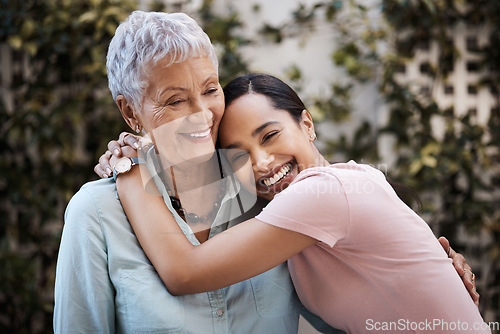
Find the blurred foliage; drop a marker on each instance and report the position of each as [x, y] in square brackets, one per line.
[59, 115]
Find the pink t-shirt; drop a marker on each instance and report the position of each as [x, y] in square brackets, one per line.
[377, 267]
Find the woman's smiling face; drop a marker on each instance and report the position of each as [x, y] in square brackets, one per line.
[279, 147]
[182, 108]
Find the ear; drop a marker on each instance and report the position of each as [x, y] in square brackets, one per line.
[308, 123]
[128, 113]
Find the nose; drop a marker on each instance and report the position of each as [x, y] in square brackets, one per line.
[261, 161]
[201, 113]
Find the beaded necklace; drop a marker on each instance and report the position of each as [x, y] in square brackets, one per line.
[192, 217]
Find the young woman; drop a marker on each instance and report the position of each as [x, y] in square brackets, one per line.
[359, 257]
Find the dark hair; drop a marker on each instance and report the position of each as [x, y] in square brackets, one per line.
[282, 96]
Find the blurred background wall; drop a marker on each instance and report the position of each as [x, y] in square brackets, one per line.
[411, 87]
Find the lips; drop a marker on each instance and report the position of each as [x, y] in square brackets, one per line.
[278, 179]
[278, 176]
[201, 135]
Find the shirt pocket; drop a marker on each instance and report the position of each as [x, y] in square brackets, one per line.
[144, 304]
[274, 293]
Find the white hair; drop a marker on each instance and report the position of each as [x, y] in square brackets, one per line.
[145, 38]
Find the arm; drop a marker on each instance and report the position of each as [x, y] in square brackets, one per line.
[84, 294]
[244, 251]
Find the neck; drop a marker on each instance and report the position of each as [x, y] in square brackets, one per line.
[188, 176]
[320, 160]
[196, 191]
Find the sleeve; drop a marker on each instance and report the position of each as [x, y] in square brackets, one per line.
[315, 205]
[84, 294]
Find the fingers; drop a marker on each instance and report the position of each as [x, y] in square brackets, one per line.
[129, 139]
[469, 280]
[115, 148]
[458, 260]
[126, 145]
[99, 171]
[446, 245]
[129, 152]
[462, 268]
[103, 168]
[459, 263]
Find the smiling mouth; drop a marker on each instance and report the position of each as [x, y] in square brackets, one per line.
[277, 177]
[199, 134]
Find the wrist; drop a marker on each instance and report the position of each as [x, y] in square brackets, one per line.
[125, 164]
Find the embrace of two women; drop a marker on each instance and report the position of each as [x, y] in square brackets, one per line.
[181, 243]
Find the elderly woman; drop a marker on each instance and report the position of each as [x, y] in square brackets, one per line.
[163, 76]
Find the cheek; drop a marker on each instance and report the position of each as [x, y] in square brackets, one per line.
[225, 134]
[245, 175]
[217, 112]
[218, 106]
[165, 135]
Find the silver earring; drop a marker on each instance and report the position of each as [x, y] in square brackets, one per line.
[312, 137]
[138, 128]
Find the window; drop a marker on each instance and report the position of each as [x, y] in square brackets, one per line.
[472, 89]
[425, 68]
[472, 66]
[471, 43]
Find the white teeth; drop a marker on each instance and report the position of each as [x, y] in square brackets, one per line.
[200, 134]
[278, 176]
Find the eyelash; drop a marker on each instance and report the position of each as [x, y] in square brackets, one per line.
[269, 136]
[208, 92]
[174, 103]
[211, 91]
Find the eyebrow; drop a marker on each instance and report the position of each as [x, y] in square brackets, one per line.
[210, 77]
[262, 127]
[255, 133]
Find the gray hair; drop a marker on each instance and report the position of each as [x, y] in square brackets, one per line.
[145, 38]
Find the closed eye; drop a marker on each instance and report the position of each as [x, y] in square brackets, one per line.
[210, 91]
[174, 102]
[269, 136]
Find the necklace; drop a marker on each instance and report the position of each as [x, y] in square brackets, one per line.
[191, 217]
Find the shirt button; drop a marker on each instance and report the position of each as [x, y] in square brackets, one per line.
[220, 313]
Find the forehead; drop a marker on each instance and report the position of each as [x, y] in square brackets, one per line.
[248, 113]
[193, 71]
[254, 108]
